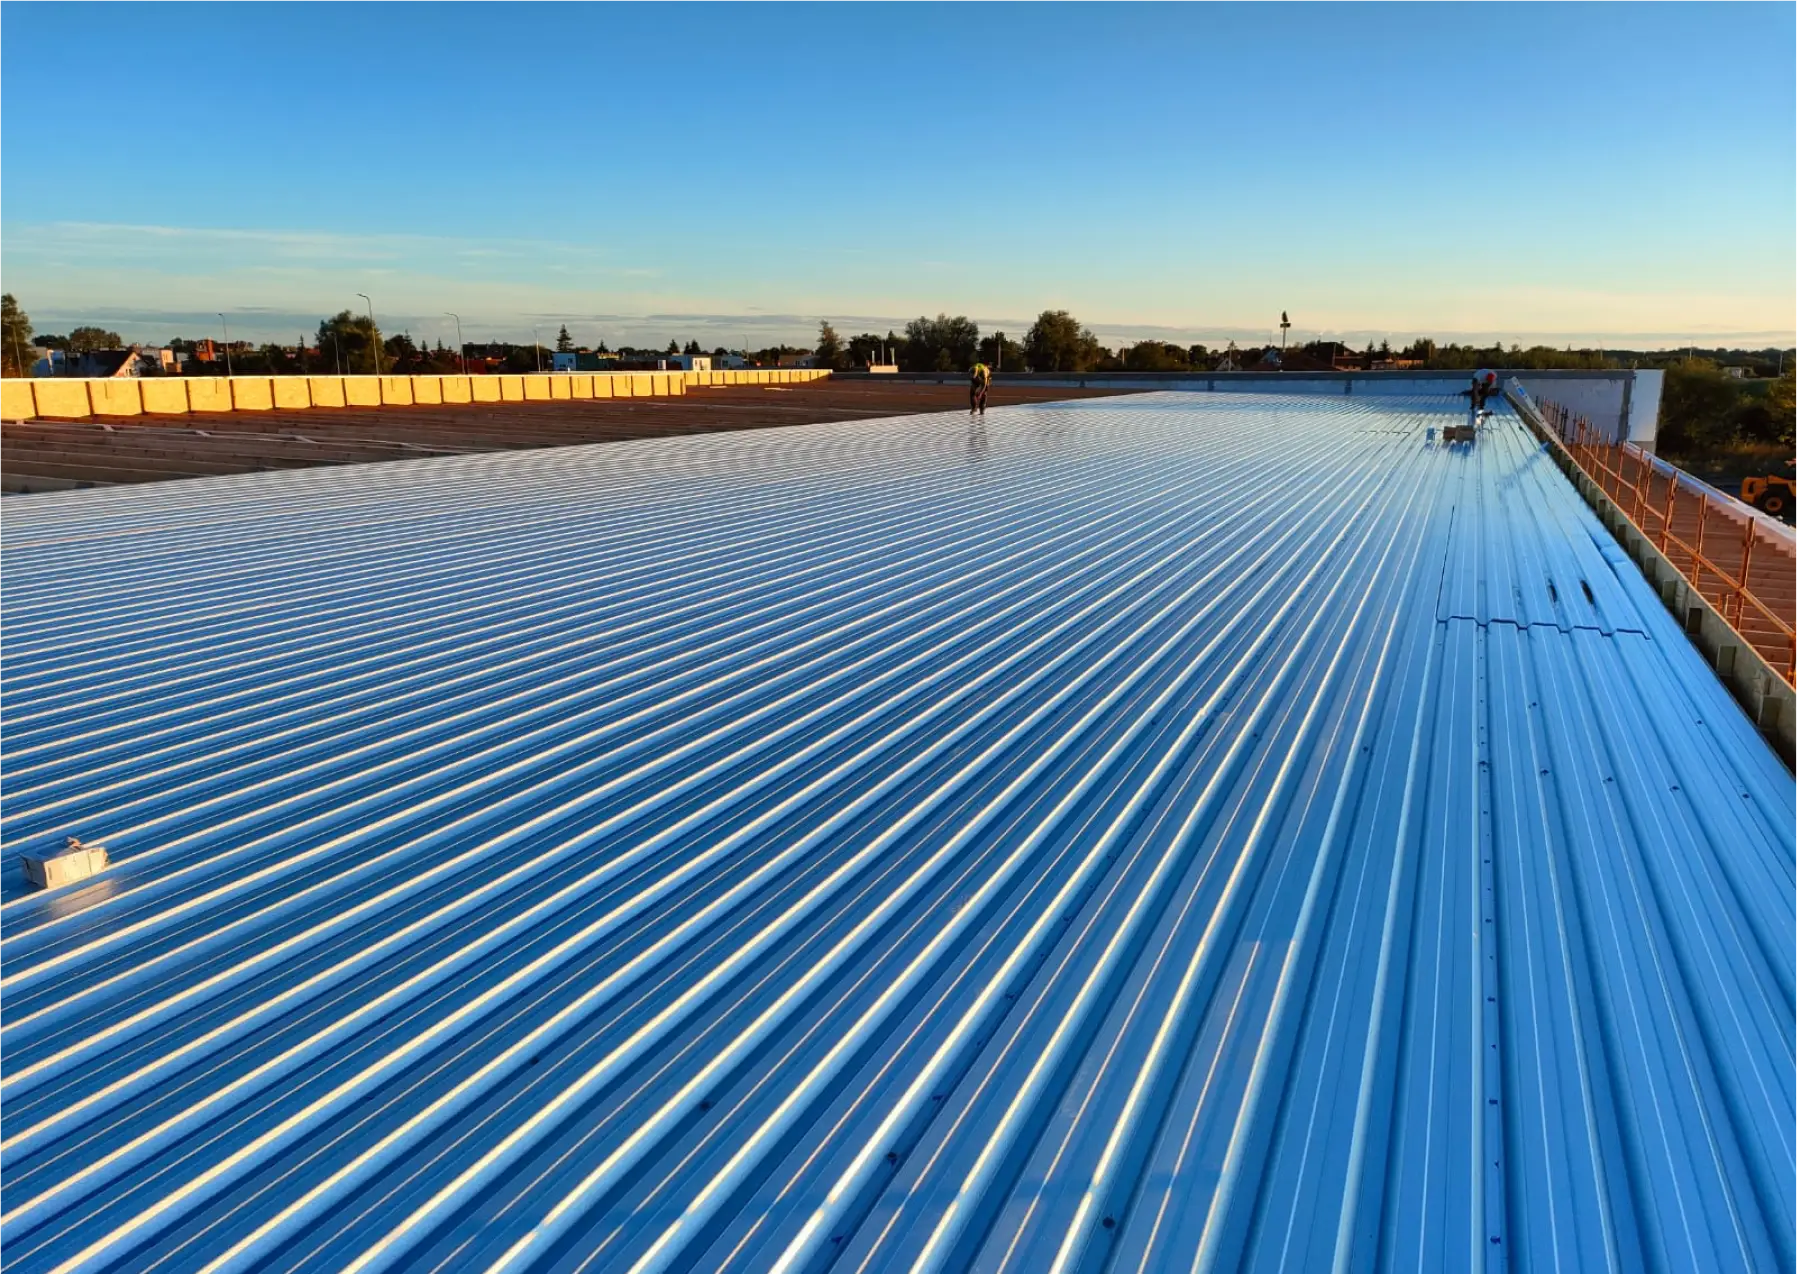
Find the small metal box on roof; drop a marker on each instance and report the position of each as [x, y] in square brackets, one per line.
[73, 863]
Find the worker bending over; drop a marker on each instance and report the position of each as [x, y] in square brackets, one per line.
[976, 389]
[1484, 388]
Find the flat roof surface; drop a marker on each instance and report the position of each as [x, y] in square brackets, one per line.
[49, 455]
[1221, 831]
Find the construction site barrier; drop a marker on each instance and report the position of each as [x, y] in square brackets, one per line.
[1726, 618]
[1728, 552]
[63, 398]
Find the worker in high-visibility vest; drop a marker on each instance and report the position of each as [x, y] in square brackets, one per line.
[980, 382]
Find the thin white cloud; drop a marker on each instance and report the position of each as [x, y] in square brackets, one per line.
[163, 280]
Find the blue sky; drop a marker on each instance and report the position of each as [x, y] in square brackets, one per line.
[1618, 173]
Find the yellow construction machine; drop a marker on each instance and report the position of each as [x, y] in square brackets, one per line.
[1771, 493]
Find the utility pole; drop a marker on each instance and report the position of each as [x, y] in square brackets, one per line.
[374, 333]
[227, 327]
[537, 338]
[460, 348]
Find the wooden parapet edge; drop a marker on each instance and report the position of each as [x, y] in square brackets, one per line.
[1766, 697]
[70, 398]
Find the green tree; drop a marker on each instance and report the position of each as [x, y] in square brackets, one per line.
[1781, 400]
[277, 361]
[1697, 408]
[691, 347]
[83, 339]
[403, 357]
[1002, 354]
[1057, 343]
[1467, 357]
[15, 338]
[829, 352]
[352, 335]
[1155, 356]
[564, 344]
[869, 348]
[941, 344]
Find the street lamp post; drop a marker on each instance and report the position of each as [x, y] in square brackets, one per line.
[1285, 325]
[461, 349]
[537, 337]
[374, 333]
[227, 327]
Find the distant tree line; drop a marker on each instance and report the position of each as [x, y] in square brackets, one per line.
[1704, 412]
[1704, 408]
[1055, 342]
[1058, 342]
[15, 338]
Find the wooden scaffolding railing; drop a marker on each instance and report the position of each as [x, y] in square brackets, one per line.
[1742, 567]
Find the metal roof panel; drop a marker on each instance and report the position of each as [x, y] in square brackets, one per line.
[1228, 831]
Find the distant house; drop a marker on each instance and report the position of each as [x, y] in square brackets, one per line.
[1735, 373]
[1343, 359]
[105, 364]
[729, 362]
[797, 360]
[1340, 357]
[690, 362]
[565, 362]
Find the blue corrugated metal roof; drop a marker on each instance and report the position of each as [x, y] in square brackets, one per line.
[1225, 832]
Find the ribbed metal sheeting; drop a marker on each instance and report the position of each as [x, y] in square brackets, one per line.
[1222, 832]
